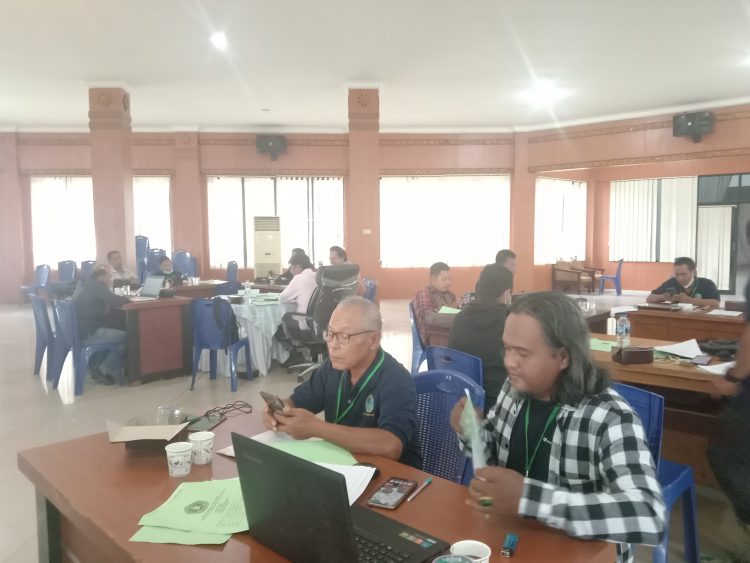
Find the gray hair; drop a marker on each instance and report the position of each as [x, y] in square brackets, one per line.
[371, 319]
[563, 326]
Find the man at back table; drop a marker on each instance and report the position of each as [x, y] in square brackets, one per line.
[93, 301]
[368, 398]
[303, 284]
[172, 278]
[428, 300]
[686, 287]
[120, 273]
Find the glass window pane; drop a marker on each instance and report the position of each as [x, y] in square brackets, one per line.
[225, 236]
[152, 212]
[292, 209]
[328, 217]
[559, 220]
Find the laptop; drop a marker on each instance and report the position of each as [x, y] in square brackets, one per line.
[150, 290]
[301, 511]
[659, 306]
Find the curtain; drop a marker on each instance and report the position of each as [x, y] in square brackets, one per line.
[715, 244]
[632, 220]
[152, 212]
[260, 201]
[460, 220]
[225, 221]
[677, 217]
[559, 220]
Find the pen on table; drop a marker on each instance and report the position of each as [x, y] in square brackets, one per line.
[421, 488]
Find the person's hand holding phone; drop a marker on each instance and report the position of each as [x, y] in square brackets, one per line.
[300, 424]
[274, 405]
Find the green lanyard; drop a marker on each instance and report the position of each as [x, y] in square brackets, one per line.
[340, 417]
[550, 418]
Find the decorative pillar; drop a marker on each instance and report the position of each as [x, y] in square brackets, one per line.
[522, 201]
[112, 172]
[187, 197]
[12, 249]
[362, 191]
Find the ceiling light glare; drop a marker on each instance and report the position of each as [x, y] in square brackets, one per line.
[746, 61]
[545, 93]
[219, 41]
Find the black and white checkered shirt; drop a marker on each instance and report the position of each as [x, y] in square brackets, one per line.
[601, 483]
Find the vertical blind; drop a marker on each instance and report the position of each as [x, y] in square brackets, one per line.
[460, 220]
[715, 244]
[152, 211]
[559, 220]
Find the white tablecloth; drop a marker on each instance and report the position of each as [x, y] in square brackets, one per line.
[259, 324]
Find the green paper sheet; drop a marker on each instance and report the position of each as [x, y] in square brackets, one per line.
[316, 451]
[215, 507]
[445, 310]
[598, 345]
[154, 534]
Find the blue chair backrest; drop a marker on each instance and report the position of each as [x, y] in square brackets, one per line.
[227, 288]
[193, 267]
[206, 331]
[181, 261]
[650, 409]
[152, 262]
[42, 275]
[438, 391]
[416, 337]
[66, 271]
[66, 322]
[41, 317]
[232, 271]
[440, 357]
[619, 268]
[141, 247]
[371, 290]
[87, 266]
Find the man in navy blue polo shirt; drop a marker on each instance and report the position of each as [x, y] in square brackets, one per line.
[686, 287]
[368, 398]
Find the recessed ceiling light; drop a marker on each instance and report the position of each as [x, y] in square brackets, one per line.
[265, 109]
[544, 93]
[219, 41]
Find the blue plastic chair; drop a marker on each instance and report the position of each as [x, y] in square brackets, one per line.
[87, 266]
[371, 290]
[46, 339]
[650, 409]
[193, 266]
[182, 262]
[232, 271]
[142, 266]
[438, 391]
[208, 335]
[227, 288]
[616, 279]
[417, 346]
[441, 357]
[66, 271]
[152, 260]
[66, 322]
[141, 247]
[41, 279]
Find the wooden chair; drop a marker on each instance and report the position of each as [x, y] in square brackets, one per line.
[566, 277]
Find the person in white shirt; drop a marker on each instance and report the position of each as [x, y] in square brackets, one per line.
[303, 284]
[118, 271]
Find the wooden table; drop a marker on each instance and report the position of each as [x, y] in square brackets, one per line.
[201, 290]
[160, 338]
[91, 494]
[679, 326]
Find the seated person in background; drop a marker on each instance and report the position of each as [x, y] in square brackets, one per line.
[172, 278]
[287, 276]
[368, 398]
[478, 328]
[119, 273]
[337, 255]
[686, 287]
[428, 300]
[506, 258]
[303, 284]
[93, 301]
[562, 446]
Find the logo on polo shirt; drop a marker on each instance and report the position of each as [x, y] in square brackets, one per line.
[369, 404]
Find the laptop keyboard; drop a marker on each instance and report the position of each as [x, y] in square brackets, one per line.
[376, 552]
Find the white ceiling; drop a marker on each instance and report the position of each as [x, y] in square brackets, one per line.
[441, 65]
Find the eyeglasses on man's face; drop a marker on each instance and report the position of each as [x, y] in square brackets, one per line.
[342, 338]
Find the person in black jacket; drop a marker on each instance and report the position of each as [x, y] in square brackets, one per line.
[478, 328]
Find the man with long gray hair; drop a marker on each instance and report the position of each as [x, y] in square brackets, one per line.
[563, 447]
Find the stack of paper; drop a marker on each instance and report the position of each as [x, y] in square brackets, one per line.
[687, 349]
[196, 513]
[724, 313]
[599, 345]
[718, 369]
[445, 310]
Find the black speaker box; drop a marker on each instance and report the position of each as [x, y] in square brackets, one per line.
[693, 124]
[273, 145]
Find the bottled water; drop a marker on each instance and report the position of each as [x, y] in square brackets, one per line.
[623, 331]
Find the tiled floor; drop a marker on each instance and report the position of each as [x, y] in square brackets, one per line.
[33, 414]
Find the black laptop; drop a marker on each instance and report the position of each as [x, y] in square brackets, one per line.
[301, 511]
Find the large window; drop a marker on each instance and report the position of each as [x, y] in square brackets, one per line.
[559, 220]
[310, 210]
[652, 220]
[62, 219]
[151, 210]
[461, 220]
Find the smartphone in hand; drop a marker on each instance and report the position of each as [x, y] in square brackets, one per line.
[274, 403]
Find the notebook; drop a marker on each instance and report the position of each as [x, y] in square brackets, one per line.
[301, 511]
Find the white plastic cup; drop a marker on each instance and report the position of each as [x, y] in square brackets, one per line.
[203, 445]
[194, 280]
[477, 551]
[178, 458]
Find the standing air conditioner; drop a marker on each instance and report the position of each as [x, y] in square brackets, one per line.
[267, 246]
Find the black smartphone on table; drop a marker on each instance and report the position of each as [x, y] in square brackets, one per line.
[392, 493]
[274, 403]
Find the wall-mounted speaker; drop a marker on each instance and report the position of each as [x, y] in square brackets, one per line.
[693, 124]
[272, 145]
